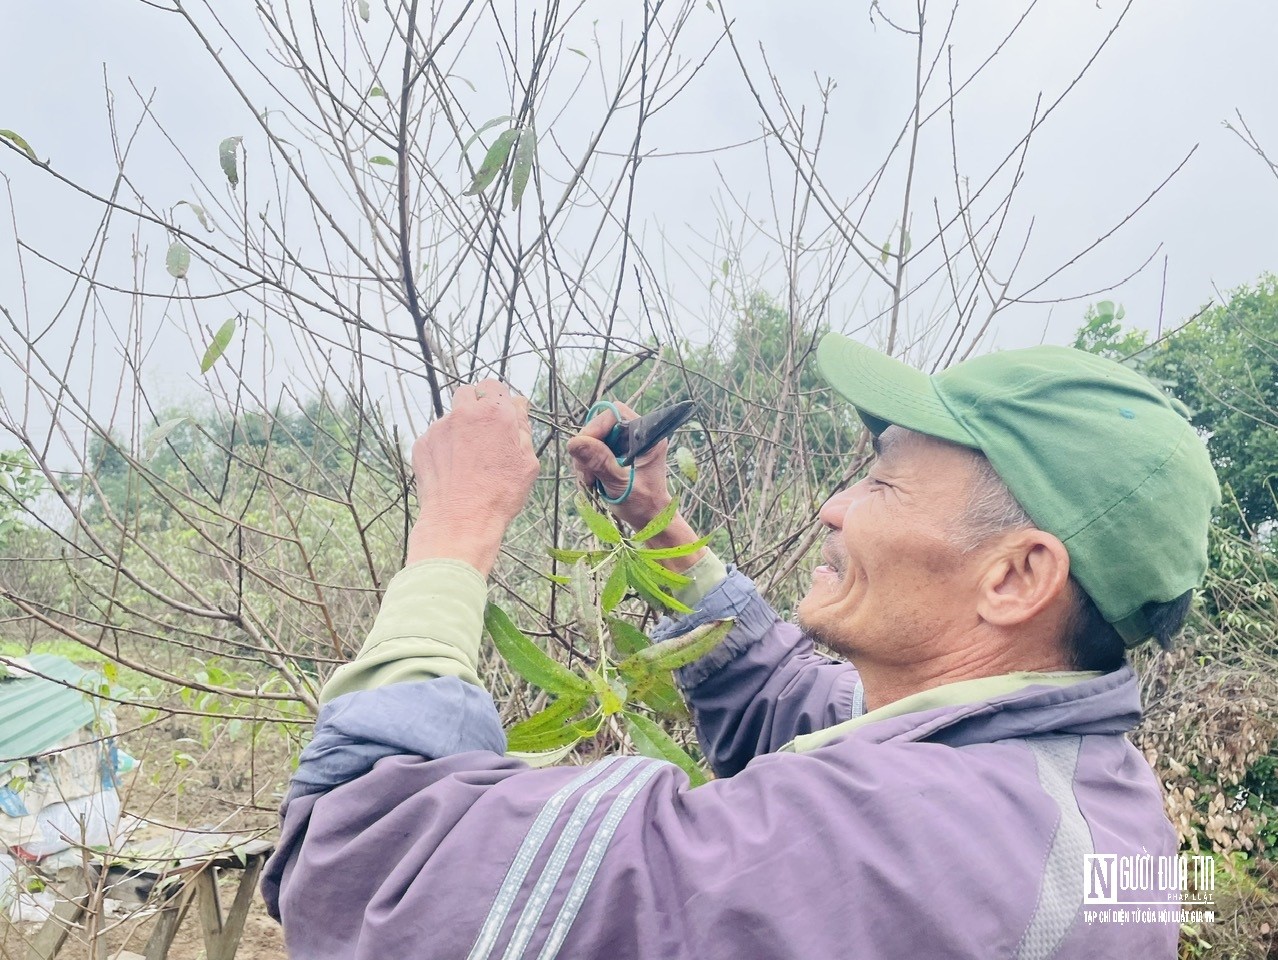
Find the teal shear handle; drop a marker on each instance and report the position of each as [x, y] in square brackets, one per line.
[631, 439]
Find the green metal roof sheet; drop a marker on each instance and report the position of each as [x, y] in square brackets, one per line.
[36, 713]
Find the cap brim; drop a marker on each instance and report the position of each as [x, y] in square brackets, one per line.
[886, 391]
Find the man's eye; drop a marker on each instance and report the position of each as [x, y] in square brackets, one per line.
[876, 482]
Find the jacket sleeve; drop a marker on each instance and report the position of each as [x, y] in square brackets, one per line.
[765, 685]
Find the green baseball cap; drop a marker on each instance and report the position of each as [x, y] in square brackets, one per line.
[1094, 452]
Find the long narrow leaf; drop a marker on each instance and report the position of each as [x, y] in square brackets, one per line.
[541, 740]
[20, 143]
[662, 576]
[651, 591]
[626, 637]
[528, 660]
[668, 553]
[677, 651]
[657, 523]
[542, 759]
[221, 340]
[572, 556]
[650, 740]
[494, 122]
[525, 155]
[558, 714]
[494, 160]
[603, 528]
[660, 693]
[614, 589]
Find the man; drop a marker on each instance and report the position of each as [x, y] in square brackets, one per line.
[1029, 515]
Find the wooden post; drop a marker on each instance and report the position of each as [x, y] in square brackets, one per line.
[222, 933]
[67, 912]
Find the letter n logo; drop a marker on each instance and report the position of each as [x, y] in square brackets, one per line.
[1100, 878]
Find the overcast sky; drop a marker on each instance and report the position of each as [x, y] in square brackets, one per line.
[1173, 73]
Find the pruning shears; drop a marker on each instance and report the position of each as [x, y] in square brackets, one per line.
[631, 439]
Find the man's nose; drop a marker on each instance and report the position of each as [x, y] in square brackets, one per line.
[835, 509]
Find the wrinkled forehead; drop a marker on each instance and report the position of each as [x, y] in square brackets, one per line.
[899, 447]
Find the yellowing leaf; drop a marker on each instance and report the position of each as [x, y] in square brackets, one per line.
[18, 142]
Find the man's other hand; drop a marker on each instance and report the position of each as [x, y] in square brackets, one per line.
[592, 461]
[474, 469]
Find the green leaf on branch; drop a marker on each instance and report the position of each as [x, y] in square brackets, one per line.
[614, 589]
[660, 575]
[603, 528]
[638, 572]
[226, 157]
[657, 523]
[376, 91]
[651, 741]
[660, 693]
[613, 699]
[494, 122]
[676, 652]
[178, 259]
[382, 161]
[494, 160]
[668, 553]
[572, 556]
[528, 660]
[200, 215]
[20, 143]
[686, 461]
[157, 437]
[885, 252]
[906, 244]
[221, 340]
[525, 155]
[558, 714]
[537, 741]
[364, 12]
[626, 637]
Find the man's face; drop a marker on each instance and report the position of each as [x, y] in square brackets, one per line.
[894, 582]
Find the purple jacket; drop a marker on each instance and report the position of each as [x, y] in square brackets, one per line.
[959, 831]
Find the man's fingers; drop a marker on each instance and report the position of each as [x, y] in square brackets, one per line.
[489, 389]
[603, 422]
[593, 459]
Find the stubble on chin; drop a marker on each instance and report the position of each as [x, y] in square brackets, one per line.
[821, 633]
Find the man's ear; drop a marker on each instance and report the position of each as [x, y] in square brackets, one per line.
[1027, 573]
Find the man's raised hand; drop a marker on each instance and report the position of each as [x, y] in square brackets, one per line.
[474, 468]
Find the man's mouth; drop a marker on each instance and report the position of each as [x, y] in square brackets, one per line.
[834, 564]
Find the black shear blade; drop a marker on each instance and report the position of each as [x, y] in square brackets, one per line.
[633, 438]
